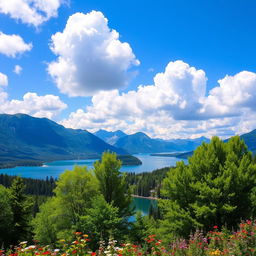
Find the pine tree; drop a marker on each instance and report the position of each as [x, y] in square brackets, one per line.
[113, 184]
[21, 210]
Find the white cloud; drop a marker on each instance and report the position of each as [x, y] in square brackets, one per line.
[17, 69]
[39, 106]
[176, 105]
[233, 95]
[91, 57]
[32, 12]
[3, 79]
[12, 45]
[32, 104]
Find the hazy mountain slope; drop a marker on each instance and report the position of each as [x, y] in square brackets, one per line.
[141, 143]
[250, 140]
[26, 137]
[110, 137]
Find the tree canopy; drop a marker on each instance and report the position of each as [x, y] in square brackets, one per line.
[217, 187]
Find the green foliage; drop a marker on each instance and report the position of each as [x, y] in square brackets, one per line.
[79, 204]
[141, 228]
[21, 209]
[76, 192]
[101, 222]
[113, 184]
[6, 216]
[46, 222]
[32, 186]
[216, 188]
[144, 183]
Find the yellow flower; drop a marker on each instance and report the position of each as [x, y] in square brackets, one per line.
[216, 252]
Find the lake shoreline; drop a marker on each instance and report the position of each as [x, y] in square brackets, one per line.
[145, 197]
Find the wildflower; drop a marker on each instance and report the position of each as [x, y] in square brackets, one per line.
[93, 253]
[24, 242]
[150, 240]
[215, 227]
[31, 247]
[216, 252]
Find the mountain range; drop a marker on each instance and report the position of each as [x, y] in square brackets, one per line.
[27, 139]
[142, 143]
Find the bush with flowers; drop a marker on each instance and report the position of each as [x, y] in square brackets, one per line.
[216, 242]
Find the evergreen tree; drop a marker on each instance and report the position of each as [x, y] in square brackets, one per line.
[21, 210]
[113, 184]
[6, 217]
[217, 187]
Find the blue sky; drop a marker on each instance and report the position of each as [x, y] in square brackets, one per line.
[158, 75]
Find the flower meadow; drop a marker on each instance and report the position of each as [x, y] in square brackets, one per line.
[216, 242]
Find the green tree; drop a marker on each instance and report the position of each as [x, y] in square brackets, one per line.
[217, 187]
[113, 185]
[76, 193]
[46, 221]
[6, 217]
[21, 209]
[101, 222]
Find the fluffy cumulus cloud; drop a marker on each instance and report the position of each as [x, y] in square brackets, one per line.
[91, 57]
[12, 45]
[39, 106]
[3, 79]
[233, 95]
[176, 105]
[32, 12]
[17, 69]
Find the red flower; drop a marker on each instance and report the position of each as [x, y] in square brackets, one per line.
[75, 251]
[93, 253]
[46, 253]
[215, 227]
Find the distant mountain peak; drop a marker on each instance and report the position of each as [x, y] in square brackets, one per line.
[109, 137]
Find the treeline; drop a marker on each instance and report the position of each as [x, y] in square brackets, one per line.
[147, 183]
[141, 184]
[10, 163]
[32, 186]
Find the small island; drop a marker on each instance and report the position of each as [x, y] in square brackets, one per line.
[183, 155]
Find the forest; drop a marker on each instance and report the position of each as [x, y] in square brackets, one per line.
[206, 207]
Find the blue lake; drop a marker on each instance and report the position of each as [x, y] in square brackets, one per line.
[54, 169]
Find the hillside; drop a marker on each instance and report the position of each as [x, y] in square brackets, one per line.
[141, 143]
[25, 139]
[250, 140]
[110, 137]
